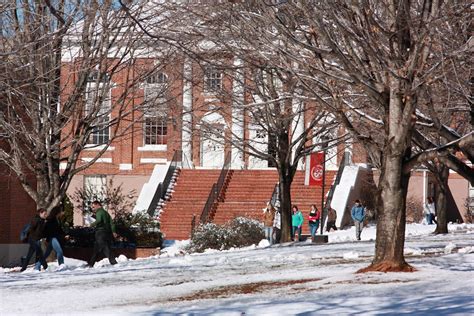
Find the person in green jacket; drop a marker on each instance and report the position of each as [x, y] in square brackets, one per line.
[104, 233]
[297, 220]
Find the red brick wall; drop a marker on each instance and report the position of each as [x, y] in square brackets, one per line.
[16, 208]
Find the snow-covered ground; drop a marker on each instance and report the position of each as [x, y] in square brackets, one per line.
[296, 278]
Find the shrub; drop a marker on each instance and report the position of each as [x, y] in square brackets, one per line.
[139, 229]
[135, 230]
[239, 232]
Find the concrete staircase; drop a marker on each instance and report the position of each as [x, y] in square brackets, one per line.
[245, 195]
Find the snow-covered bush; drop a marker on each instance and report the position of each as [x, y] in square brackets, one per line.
[239, 232]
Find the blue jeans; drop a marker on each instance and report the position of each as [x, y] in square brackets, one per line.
[35, 248]
[428, 219]
[269, 234]
[313, 228]
[294, 230]
[53, 243]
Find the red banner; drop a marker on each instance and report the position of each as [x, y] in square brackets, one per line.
[316, 168]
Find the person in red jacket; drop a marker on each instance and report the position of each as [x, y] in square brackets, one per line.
[313, 219]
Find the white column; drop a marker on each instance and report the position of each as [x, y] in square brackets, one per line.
[237, 115]
[425, 187]
[186, 140]
[297, 126]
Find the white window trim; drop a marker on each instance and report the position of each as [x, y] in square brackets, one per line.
[125, 166]
[99, 160]
[93, 147]
[154, 160]
[153, 148]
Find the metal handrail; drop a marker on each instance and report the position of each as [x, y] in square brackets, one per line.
[171, 169]
[215, 190]
[223, 174]
[156, 198]
[209, 203]
[327, 204]
[162, 188]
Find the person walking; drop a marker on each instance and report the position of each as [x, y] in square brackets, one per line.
[104, 233]
[313, 220]
[296, 222]
[427, 211]
[358, 216]
[35, 234]
[430, 211]
[277, 223]
[55, 236]
[268, 217]
[332, 216]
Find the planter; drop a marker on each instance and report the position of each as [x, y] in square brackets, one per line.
[85, 254]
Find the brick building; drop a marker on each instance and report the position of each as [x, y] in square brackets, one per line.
[152, 142]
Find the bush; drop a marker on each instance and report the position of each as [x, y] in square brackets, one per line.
[239, 232]
[81, 237]
[137, 230]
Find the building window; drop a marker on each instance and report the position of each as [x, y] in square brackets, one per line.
[157, 78]
[155, 130]
[95, 188]
[155, 127]
[212, 79]
[99, 111]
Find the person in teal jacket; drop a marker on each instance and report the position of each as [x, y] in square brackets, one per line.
[104, 233]
[297, 220]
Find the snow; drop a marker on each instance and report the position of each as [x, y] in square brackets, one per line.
[286, 279]
[342, 192]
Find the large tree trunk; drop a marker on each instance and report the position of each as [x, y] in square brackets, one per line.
[393, 184]
[285, 207]
[441, 200]
[390, 239]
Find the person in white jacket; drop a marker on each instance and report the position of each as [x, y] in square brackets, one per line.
[277, 223]
[429, 210]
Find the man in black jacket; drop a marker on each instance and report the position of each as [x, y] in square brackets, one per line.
[35, 234]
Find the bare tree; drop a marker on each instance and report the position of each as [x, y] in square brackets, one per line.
[367, 62]
[69, 80]
[266, 113]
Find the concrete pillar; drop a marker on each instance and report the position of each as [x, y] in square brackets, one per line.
[187, 117]
[238, 116]
[297, 126]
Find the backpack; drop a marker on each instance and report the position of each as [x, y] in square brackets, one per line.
[25, 232]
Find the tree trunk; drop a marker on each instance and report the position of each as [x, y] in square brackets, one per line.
[390, 239]
[441, 200]
[285, 208]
